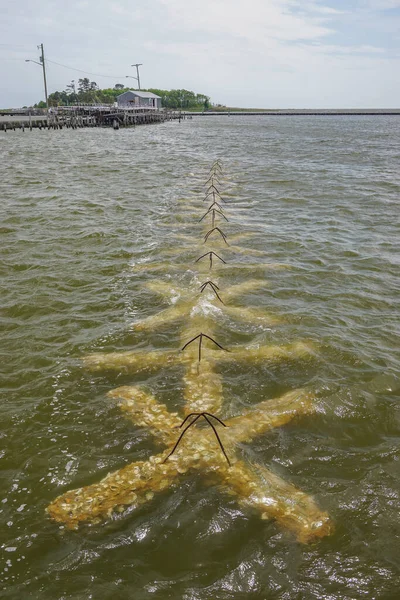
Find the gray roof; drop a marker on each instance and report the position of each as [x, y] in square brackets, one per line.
[140, 94]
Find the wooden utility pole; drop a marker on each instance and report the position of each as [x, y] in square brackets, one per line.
[41, 58]
[41, 63]
[137, 65]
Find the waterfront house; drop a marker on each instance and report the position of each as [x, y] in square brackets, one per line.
[138, 99]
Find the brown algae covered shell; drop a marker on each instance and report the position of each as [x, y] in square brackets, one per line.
[211, 451]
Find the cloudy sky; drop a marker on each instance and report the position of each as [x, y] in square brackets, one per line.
[248, 53]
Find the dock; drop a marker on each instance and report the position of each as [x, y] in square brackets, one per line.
[77, 117]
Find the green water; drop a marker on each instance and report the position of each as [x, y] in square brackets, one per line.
[79, 210]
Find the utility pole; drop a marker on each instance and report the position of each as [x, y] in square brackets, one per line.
[41, 64]
[137, 65]
[41, 58]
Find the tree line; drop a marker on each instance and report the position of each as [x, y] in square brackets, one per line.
[85, 91]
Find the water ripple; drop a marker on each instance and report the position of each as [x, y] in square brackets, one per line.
[85, 215]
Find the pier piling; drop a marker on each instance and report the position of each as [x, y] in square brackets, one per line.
[89, 116]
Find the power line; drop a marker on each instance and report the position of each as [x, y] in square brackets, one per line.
[59, 64]
[85, 72]
[4, 58]
[16, 45]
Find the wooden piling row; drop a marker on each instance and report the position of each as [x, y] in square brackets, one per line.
[116, 120]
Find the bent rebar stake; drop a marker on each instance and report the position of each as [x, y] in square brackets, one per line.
[211, 178]
[213, 194]
[214, 288]
[213, 211]
[216, 434]
[210, 283]
[219, 231]
[215, 203]
[212, 187]
[211, 254]
[197, 416]
[216, 164]
[202, 414]
[200, 338]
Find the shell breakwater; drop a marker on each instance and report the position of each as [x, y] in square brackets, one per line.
[217, 460]
[100, 234]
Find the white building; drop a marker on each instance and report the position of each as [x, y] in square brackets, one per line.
[137, 99]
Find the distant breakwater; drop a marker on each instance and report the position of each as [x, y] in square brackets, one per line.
[300, 113]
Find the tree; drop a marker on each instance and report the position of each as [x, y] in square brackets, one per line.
[88, 92]
[54, 99]
[83, 85]
[71, 87]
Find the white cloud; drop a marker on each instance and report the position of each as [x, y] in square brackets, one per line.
[259, 53]
[324, 10]
[382, 4]
[255, 20]
[348, 50]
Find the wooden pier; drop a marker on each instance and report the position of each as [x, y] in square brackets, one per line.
[87, 116]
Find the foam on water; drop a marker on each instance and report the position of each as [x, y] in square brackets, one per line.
[78, 209]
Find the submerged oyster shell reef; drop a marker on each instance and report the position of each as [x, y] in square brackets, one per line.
[211, 447]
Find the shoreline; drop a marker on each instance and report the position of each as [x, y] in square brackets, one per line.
[301, 112]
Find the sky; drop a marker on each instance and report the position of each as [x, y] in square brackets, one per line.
[241, 53]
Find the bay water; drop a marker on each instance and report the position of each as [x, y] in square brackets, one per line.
[83, 213]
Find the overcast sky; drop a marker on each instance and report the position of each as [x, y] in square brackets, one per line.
[248, 53]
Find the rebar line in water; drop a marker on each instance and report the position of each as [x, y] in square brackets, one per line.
[211, 178]
[217, 436]
[210, 254]
[212, 187]
[219, 231]
[213, 211]
[216, 164]
[197, 416]
[209, 282]
[181, 436]
[200, 338]
[214, 288]
[213, 194]
[215, 203]
[201, 414]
